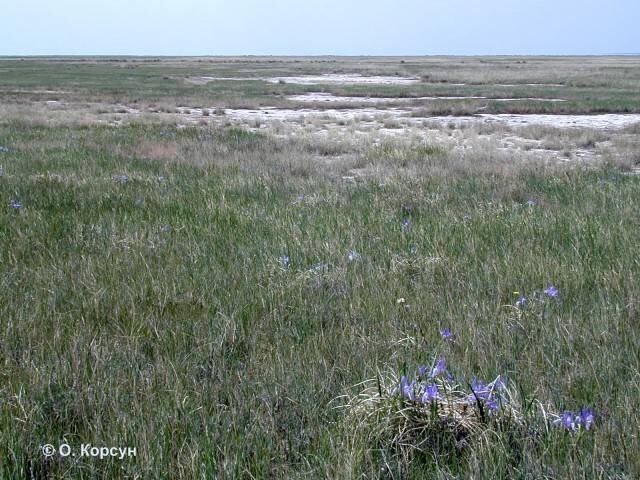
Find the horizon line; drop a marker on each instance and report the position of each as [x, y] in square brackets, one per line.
[149, 55]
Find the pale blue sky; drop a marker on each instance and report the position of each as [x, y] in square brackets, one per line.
[299, 27]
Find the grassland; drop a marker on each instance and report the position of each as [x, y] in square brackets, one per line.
[146, 302]
[598, 84]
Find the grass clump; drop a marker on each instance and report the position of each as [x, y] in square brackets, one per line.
[433, 421]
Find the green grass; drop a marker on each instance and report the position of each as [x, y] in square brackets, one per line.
[196, 346]
[589, 84]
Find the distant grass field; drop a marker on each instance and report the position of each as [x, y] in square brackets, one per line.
[589, 84]
[189, 292]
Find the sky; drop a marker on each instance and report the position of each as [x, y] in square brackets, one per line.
[319, 27]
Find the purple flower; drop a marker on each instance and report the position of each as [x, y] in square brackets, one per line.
[422, 370]
[408, 389]
[499, 383]
[406, 224]
[430, 394]
[522, 302]
[446, 334]
[568, 421]
[551, 291]
[353, 256]
[587, 418]
[481, 390]
[16, 204]
[531, 203]
[318, 267]
[439, 368]
[487, 393]
[284, 260]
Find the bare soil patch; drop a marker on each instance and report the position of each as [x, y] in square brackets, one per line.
[349, 78]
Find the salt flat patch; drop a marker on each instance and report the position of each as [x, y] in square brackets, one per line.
[607, 121]
[284, 114]
[320, 97]
[205, 80]
[528, 84]
[527, 99]
[323, 97]
[396, 117]
[40, 92]
[349, 78]
[368, 114]
[602, 121]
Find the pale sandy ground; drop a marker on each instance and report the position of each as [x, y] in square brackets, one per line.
[600, 121]
[374, 126]
[370, 125]
[205, 80]
[402, 115]
[39, 92]
[349, 78]
[327, 78]
[284, 114]
[313, 97]
[529, 84]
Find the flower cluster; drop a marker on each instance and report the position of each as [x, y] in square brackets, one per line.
[576, 421]
[423, 389]
[421, 392]
[411, 414]
[487, 394]
[16, 204]
[431, 382]
[4, 149]
[551, 292]
[446, 334]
